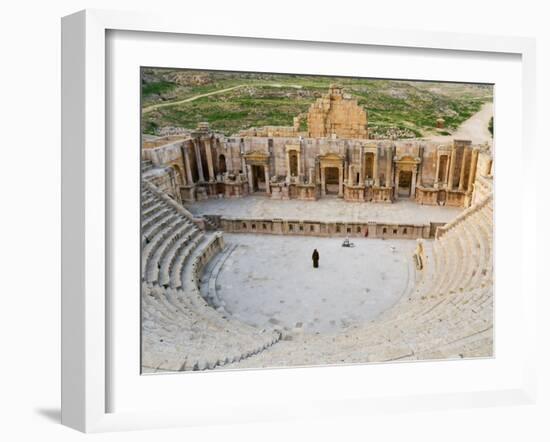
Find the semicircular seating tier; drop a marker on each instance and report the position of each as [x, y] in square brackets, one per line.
[448, 314]
[180, 331]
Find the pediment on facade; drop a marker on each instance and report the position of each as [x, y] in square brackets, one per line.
[256, 156]
[407, 159]
[331, 157]
[290, 147]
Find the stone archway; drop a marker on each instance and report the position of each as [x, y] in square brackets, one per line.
[257, 180]
[257, 164]
[179, 177]
[404, 183]
[222, 165]
[442, 169]
[332, 180]
[369, 165]
[293, 163]
[330, 164]
[406, 169]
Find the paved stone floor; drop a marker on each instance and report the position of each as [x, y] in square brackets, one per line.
[269, 281]
[326, 209]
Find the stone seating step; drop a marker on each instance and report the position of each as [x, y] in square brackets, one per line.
[176, 252]
[154, 262]
[209, 350]
[150, 253]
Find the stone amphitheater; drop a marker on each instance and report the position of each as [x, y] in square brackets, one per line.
[193, 185]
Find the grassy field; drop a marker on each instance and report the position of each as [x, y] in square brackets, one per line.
[411, 108]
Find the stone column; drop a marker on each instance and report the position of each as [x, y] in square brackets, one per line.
[249, 178]
[389, 162]
[229, 163]
[413, 184]
[311, 175]
[362, 162]
[244, 168]
[267, 183]
[288, 166]
[323, 182]
[345, 171]
[450, 175]
[461, 183]
[183, 176]
[208, 145]
[198, 159]
[375, 169]
[303, 166]
[351, 180]
[341, 181]
[187, 166]
[396, 184]
[436, 180]
[473, 169]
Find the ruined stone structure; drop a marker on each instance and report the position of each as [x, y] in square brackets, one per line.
[336, 115]
[335, 158]
[447, 312]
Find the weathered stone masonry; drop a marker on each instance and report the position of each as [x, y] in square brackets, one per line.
[335, 158]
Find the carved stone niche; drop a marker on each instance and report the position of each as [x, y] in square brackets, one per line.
[328, 163]
[256, 161]
[406, 170]
[293, 161]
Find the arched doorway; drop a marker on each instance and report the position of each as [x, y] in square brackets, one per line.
[222, 167]
[442, 177]
[405, 183]
[332, 180]
[293, 161]
[369, 166]
[405, 177]
[204, 161]
[258, 178]
[193, 165]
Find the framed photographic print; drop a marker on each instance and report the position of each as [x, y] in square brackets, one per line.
[247, 217]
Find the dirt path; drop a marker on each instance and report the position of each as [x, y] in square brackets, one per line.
[475, 128]
[187, 100]
[221, 91]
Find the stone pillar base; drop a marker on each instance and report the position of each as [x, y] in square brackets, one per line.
[187, 193]
[306, 192]
[235, 189]
[382, 194]
[201, 194]
[354, 193]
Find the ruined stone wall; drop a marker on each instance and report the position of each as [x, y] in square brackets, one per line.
[164, 179]
[483, 184]
[428, 166]
[462, 148]
[336, 114]
[163, 155]
[353, 152]
[330, 229]
[484, 164]
[311, 148]
[271, 131]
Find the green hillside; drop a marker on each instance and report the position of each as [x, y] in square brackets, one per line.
[404, 107]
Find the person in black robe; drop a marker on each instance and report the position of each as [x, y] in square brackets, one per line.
[315, 258]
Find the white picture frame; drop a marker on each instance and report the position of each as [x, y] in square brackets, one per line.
[86, 317]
